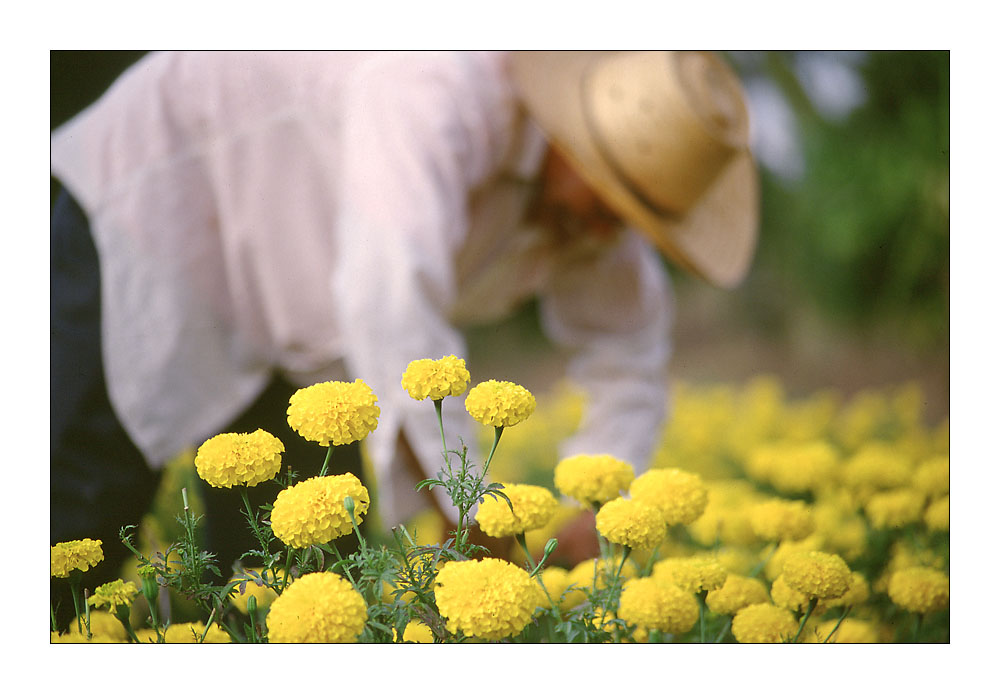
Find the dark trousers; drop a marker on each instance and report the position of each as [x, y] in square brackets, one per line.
[100, 481]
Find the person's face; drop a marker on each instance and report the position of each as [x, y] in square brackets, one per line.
[568, 205]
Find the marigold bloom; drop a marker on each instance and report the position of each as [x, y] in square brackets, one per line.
[417, 632]
[694, 574]
[499, 403]
[312, 512]
[113, 594]
[919, 589]
[486, 598]
[593, 479]
[876, 466]
[850, 631]
[228, 460]
[650, 604]
[857, 593]
[895, 509]
[817, 574]
[781, 519]
[435, 378]
[938, 514]
[783, 595]
[802, 467]
[735, 594]
[80, 555]
[317, 608]
[334, 412]
[557, 583]
[764, 623]
[680, 495]
[632, 523]
[933, 476]
[533, 506]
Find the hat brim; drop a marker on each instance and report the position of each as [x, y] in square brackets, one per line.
[715, 239]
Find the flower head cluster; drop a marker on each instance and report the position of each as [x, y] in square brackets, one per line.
[933, 476]
[919, 589]
[632, 523]
[938, 514]
[435, 378]
[694, 574]
[680, 495]
[334, 412]
[817, 574]
[312, 512]
[794, 467]
[104, 628]
[783, 595]
[533, 507]
[486, 598]
[764, 623]
[735, 594]
[499, 403]
[228, 460]
[650, 604]
[895, 509]
[78, 555]
[593, 479]
[317, 608]
[114, 594]
[781, 519]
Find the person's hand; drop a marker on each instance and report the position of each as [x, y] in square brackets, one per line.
[577, 541]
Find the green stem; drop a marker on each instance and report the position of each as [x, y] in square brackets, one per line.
[725, 630]
[837, 625]
[444, 445]
[347, 569]
[326, 461]
[916, 627]
[760, 567]
[701, 614]
[52, 616]
[535, 569]
[252, 518]
[496, 440]
[809, 610]
[74, 586]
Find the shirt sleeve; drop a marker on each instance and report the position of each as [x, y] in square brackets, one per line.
[614, 310]
[419, 132]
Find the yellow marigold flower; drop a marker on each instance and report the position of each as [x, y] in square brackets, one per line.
[80, 555]
[694, 574]
[919, 589]
[680, 495]
[228, 460]
[857, 593]
[850, 631]
[764, 623]
[817, 574]
[533, 506]
[933, 476]
[804, 467]
[843, 530]
[317, 608]
[781, 519]
[938, 514]
[726, 517]
[632, 523]
[895, 509]
[334, 412]
[558, 584]
[435, 378]
[113, 594]
[104, 628]
[499, 403]
[593, 479]
[417, 632]
[876, 466]
[650, 604]
[775, 560]
[486, 598]
[77, 637]
[735, 594]
[783, 595]
[312, 512]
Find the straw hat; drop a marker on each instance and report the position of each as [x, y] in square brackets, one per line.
[662, 138]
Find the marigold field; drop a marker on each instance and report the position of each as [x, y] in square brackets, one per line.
[764, 518]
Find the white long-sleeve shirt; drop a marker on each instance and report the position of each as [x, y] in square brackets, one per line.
[337, 215]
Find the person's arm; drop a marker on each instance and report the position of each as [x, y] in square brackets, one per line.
[416, 139]
[615, 310]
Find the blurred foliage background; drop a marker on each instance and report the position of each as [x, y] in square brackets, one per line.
[850, 286]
